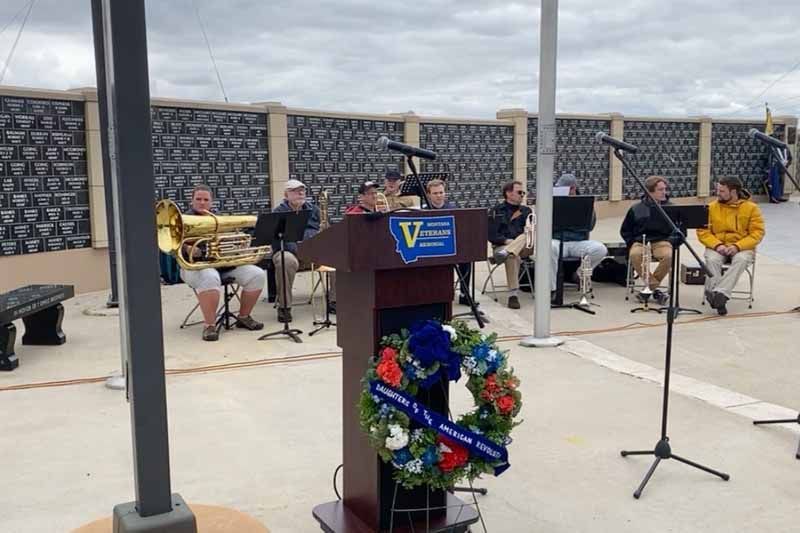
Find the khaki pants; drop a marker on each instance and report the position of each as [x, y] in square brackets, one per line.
[737, 266]
[292, 265]
[661, 251]
[517, 250]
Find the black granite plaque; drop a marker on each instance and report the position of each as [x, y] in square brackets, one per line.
[734, 153]
[577, 153]
[193, 147]
[313, 155]
[43, 159]
[477, 158]
[668, 149]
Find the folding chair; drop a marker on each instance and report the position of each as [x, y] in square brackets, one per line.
[524, 275]
[738, 294]
[230, 290]
[634, 283]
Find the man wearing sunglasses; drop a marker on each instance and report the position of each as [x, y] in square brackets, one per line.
[507, 235]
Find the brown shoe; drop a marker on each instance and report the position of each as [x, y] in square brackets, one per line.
[247, 322]
[513, 302]
[210, 333]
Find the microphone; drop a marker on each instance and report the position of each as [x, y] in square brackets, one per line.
[616, 143]
[384, 143]
[764, 138]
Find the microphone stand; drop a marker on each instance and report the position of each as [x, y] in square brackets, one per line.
[662, 448]
[423, 195]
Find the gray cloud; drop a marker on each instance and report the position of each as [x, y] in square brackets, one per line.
[439, 57]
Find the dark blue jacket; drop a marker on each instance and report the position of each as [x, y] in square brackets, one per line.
[312, 226]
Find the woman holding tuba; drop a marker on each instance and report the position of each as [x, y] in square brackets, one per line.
[203, 259]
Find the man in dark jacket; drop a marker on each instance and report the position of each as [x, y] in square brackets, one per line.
[294, 200]
[507, 235]
[643, 224]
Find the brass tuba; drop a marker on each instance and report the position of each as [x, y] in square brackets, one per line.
[216, 239]
[530, 231]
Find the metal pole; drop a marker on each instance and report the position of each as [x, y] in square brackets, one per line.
[546, 153]
[100, 69]
[115, 381]
[131, 156]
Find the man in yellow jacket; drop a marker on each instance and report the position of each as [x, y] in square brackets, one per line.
[735, 227]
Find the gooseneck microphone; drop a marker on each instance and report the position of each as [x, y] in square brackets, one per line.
[384, 143]
[764, 138]
[603, 137]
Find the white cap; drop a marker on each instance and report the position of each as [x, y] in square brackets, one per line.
[293, 184]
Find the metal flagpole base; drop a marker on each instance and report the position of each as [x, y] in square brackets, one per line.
[544, 342]
[115, 382]
[179, 520]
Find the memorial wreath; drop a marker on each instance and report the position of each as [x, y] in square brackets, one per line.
[425, 447]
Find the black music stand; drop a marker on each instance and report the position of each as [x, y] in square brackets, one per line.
[686, 217]
[663, 449]
[477, 314]
[570, 213]
[282, 227]
[416, 184]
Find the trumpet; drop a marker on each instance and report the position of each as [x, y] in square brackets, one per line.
[585, 276]
[530, 231]
[209, 241]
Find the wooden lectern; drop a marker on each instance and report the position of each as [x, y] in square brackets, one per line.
[378, 293]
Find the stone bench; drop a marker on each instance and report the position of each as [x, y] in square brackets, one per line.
[40, 309]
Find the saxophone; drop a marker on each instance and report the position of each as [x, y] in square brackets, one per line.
[324, 222]
[321, 274]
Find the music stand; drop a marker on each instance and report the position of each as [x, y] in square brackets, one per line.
[686, 217]
[415, 184]
[570, 213]
[282, 227]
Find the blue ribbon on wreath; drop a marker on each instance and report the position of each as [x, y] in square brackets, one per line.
[476, 444]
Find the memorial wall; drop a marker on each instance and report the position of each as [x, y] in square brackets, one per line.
[52, 191]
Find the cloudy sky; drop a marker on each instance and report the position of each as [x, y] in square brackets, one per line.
[438, 57]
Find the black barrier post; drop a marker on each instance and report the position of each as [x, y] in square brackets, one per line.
[131, 157]
[100, 69]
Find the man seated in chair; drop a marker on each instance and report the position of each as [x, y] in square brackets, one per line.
[507, 235]
[735, 227]
[207, 282]
[294, 201]
[644, 224]
[391, 189]
[576, 243]
[437, 194]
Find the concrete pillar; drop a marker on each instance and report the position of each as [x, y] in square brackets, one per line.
[520, 119]
[614, 164]
[704, 158]
[411, 134]
[94, 165]
[278, 146]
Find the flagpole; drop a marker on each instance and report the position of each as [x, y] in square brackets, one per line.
[546, 154]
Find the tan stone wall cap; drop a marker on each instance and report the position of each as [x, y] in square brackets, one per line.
[340, 114]
[26, 92]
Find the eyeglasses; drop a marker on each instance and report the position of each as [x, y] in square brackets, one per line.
[521, 193]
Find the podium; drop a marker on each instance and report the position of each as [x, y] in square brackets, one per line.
[391, 271]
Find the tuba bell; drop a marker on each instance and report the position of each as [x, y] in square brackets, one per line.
[530, 231]
[206, 241]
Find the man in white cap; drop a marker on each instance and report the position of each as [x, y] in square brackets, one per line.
[294, 200]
